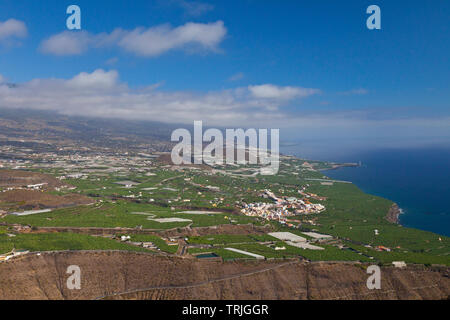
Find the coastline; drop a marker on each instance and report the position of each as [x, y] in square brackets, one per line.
[415, 178]
[393, 215]
[336, 166]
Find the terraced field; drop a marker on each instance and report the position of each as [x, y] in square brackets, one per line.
[209, 199]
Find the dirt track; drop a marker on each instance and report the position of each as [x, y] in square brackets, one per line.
[122, 275]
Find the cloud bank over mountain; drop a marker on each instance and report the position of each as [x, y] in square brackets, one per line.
[102, 94]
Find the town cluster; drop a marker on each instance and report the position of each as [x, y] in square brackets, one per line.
[281, 208]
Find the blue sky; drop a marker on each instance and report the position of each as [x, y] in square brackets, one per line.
[303, 65]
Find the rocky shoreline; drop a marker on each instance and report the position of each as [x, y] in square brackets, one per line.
[393, 214]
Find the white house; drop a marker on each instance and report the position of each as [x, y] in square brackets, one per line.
[399, 264]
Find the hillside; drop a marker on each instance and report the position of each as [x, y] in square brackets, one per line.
[156, 277]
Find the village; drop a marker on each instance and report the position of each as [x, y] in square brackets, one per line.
[281, 208]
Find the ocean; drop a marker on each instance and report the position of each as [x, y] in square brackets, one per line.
[418, 180]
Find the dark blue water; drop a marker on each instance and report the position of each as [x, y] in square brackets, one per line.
[418, 180]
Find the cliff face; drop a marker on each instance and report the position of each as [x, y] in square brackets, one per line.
[112, 274]
[393, 214]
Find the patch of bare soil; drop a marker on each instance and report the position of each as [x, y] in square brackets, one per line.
[31, 200]
[124, 275]
[20, 178]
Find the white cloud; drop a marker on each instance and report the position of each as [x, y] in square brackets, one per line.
[96, 80]
[155, 41]
[148, 42]
[101, 94]
[67, 43]
[12, 28]
[269, 91]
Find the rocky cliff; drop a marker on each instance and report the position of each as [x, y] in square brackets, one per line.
[393, 214]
